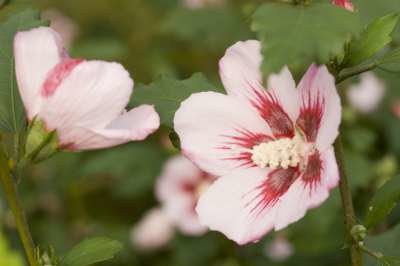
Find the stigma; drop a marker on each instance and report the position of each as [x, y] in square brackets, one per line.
[282, 153]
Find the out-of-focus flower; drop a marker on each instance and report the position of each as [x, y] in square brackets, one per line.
[83, 101]
[65, 26]
[178, 189]
[280, 249]
[154, 231]
[194, 4]
[367, 94]
[272, 148]
[347, 4]
[396, 108]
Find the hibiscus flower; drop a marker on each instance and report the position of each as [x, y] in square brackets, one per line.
[271, 148]
[83, 101]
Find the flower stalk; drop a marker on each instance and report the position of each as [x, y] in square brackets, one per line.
[347, 202]
[15, 205]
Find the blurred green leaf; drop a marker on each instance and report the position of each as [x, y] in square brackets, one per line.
[300, 35]
[375, 36]
[388, 244]
[100, 49]
[195, 251]
[359, 168]
[198, 26]
[167, 94]
[136, 165]
[391, 60]
[371, 10]
[383, 202]
[361, 139]
[91, 251]
[11, 109]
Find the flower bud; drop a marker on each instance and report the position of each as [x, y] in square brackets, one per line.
[40, 143]
[359, 232]
[347, 4]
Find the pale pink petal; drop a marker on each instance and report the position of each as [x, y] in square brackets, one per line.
[367, 94]
[141, 121]
[241, 76]
[242, 204]
[177, 189]
[181, 210]
[36, 52]
[217, 132]
[154, 231]
[240, 70]
[62, 24]
[283, 87]
[320, 111]
[195, 4]
[134, 125]
[176, 173]
[92, 95]
[280, 249]
[307, 194]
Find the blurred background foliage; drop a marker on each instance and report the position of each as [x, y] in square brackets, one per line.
[105, 193]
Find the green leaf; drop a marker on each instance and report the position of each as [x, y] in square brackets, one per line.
[383, 202]
[91, 251]
[300, 35]
[390, 61]
[133, 176]
[371, 10]
[375, 36]
[386, 243]
[12, 118]
[166, 94]
[198, 26]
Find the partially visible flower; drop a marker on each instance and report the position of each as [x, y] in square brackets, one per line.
[396, 108]
[178, 189]
[154, 231]
[271, 148]
[347, 4]
[65, 26]
[195, 4]
[83, 101]
[280, 249]
[367, 94]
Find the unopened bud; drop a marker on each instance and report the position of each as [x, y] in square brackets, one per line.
[40, 143]
[359, 232]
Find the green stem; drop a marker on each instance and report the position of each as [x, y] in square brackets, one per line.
[11, 193]
[348, 73]
[347, 202]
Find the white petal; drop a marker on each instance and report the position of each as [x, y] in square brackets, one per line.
[154, 231]
[300, 197]
[280, 249]
[240, 70]
[241, 76]
[91, 96]
[227, 206]
[318, 85]
[134, 125]
[205, 122]
[180, 210]
[36, 52]
[284, 88]
[179, 202]
[176, 171]
[366, 95]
